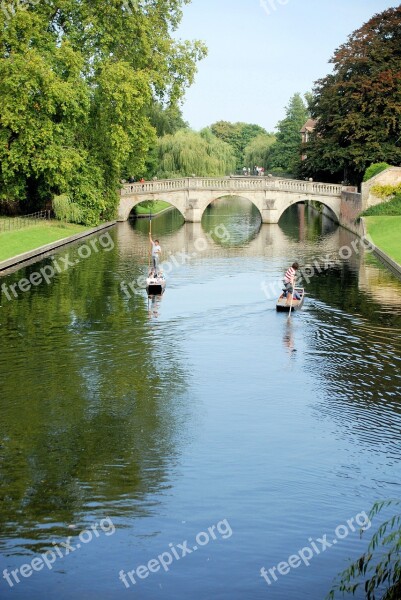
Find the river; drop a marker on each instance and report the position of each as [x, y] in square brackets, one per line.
[134, 430]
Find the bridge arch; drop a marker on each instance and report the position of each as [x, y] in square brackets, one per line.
[208, 202]
[135, 201]
[325, 201]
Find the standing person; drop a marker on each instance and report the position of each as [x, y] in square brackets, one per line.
[289, 280]
[156, 252]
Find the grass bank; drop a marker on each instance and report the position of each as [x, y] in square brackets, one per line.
[389, 208]
[154, 208]
[16, 242]
[385, 232]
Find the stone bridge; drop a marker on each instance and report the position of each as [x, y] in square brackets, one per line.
[192, 195]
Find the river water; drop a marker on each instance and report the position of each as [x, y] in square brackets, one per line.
[133, 429]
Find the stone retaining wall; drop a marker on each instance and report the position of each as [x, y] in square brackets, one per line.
[391, 176]
[351, 208]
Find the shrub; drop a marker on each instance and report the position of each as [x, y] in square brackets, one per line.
[279, 172]
[375, 169]
[386, 191]
[65, 210]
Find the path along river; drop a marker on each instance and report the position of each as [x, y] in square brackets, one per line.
[205, 417]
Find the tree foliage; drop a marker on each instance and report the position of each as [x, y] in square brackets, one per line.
[189, 153]
[166, 120]
[258, 151]
[286, 152]
[80, 83]
[358, 106]
[374, 170]
[238, 136]
[65, 210]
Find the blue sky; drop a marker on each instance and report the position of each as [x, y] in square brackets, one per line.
[259, 56]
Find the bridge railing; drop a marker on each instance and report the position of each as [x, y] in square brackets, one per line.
[232, 184]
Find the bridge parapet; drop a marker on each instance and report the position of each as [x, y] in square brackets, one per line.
[232, 185]
[191, 195]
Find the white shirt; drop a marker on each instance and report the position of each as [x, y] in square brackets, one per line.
[156, 250]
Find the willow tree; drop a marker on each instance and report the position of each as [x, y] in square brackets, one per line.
[77, 81]
[189, 153]
[237, 135]
[258, 151]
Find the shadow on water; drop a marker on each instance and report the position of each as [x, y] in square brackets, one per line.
[89, 404]
[304, 223]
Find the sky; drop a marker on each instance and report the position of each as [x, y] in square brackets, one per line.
[261, 52]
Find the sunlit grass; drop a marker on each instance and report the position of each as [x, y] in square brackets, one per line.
[154, 208]
[19, 241]
[390, 208]
[386, 234]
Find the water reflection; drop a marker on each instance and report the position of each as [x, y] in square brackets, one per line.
[171, 413]
[288, 337]
[304, 223]
[359, 365]
[87, 419]
[154, 303]
[241, 218]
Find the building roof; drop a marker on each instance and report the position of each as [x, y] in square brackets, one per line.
[309, 126]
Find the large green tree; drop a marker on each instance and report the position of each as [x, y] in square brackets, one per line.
[78, 80]
[286, 152]
[189, 153]
[258, 151]
[166, 119]
[238, 136]
[358, 106]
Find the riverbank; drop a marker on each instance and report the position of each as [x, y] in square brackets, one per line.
[385, 233]
[13, 243]
[65, 235]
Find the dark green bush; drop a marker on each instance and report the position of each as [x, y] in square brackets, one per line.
[375, 169]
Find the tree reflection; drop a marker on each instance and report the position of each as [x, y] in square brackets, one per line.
[90, 402]
[239, 216]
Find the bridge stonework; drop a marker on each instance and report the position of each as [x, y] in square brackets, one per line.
[192, 195]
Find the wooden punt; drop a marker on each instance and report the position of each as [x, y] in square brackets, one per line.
[282, 305]
[155, 286]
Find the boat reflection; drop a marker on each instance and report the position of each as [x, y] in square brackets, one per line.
[288, 337]
[154, 302]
